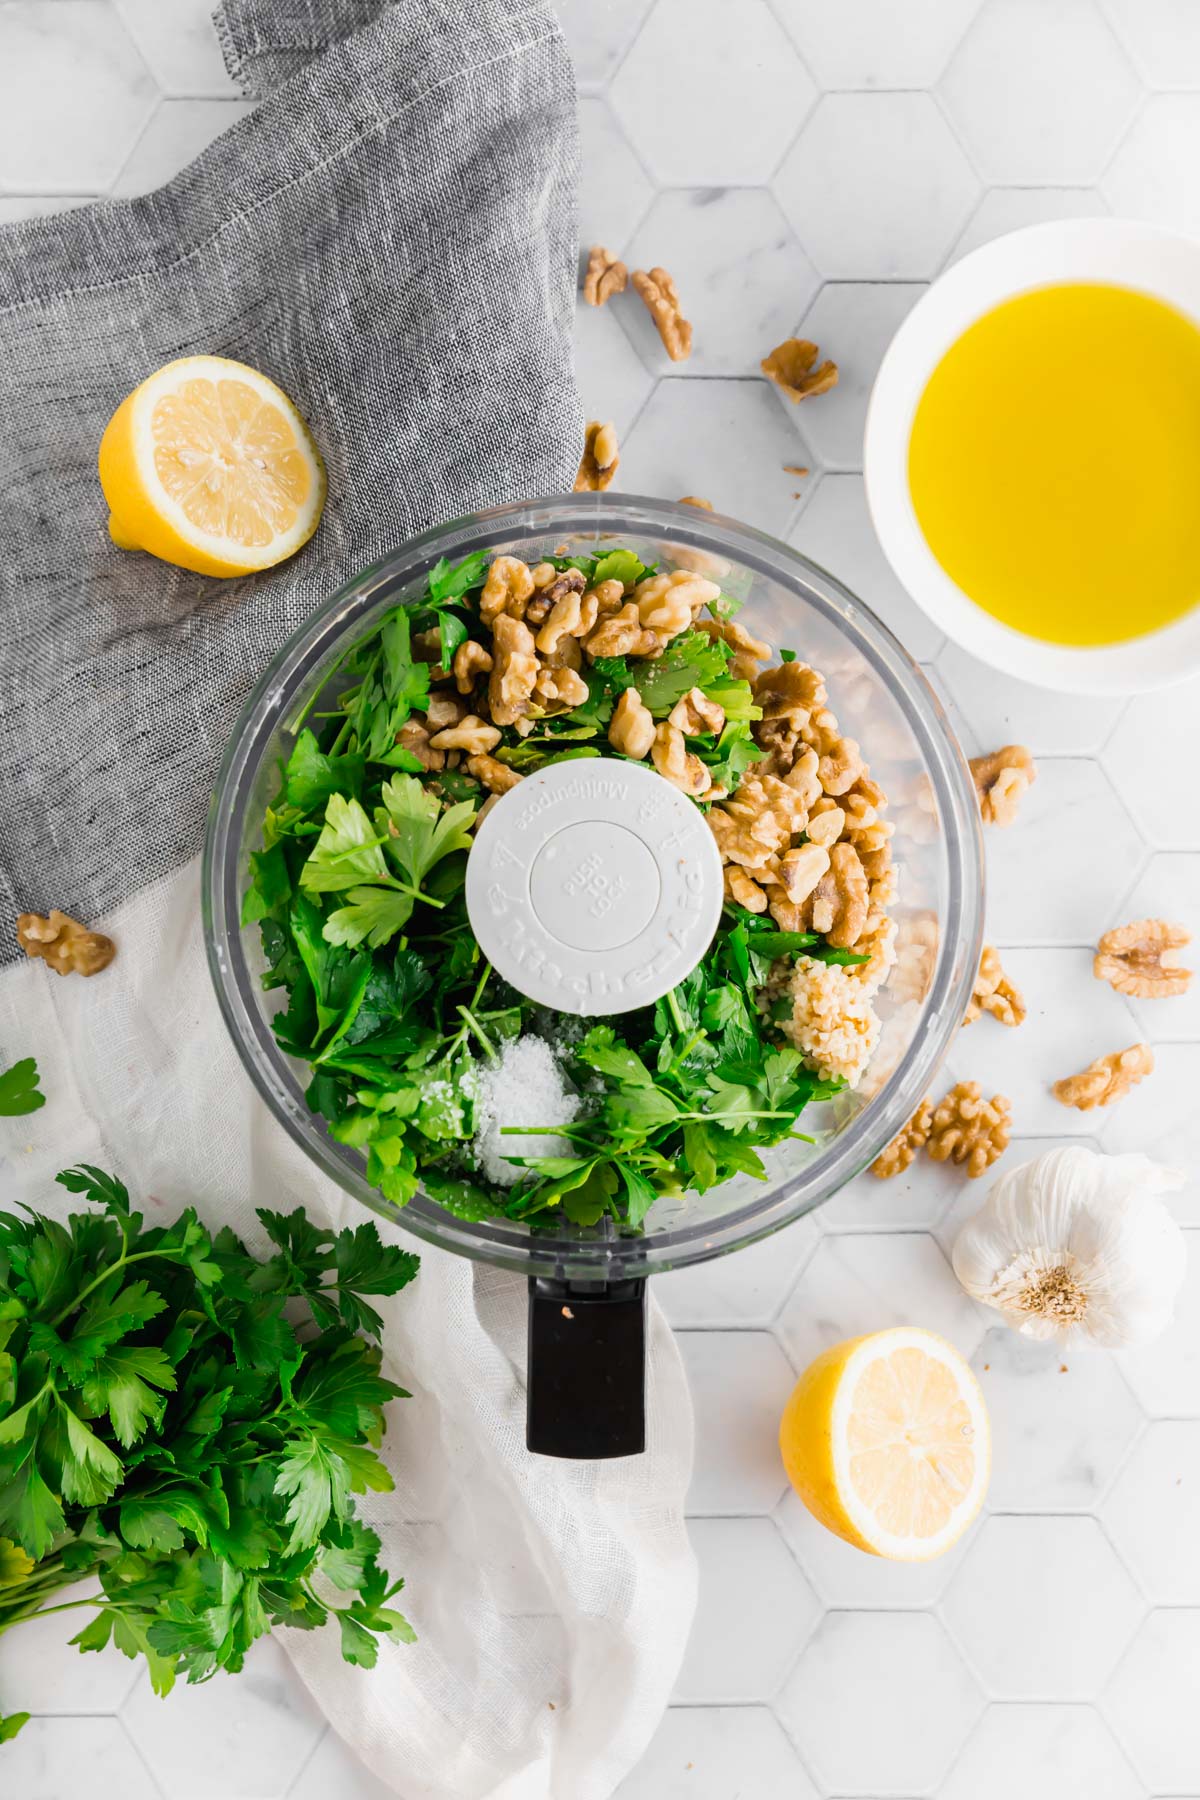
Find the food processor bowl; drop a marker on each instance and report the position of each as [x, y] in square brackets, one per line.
[879, 697]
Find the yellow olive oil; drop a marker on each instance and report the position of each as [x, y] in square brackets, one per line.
[1054, 463]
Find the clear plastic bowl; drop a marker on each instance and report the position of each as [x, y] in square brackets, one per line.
[879, 696]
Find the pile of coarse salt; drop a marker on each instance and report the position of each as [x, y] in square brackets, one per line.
[525, 1087]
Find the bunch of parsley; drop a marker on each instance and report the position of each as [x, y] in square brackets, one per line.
[186, 1426]
[358, 890]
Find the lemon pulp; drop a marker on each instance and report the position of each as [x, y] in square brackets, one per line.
[1054, 463]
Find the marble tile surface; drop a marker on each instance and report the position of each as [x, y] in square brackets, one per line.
[808, 166]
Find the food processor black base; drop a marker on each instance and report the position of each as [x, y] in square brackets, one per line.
[586, 1394]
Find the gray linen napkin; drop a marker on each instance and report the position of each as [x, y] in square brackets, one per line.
[391, 237]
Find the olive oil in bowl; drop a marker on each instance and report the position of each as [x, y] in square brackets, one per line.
[1054, 463]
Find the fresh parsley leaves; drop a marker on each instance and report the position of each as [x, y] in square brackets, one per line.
[187, 1425]
[19, 1091]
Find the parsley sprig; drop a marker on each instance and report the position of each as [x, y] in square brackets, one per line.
[187, 1425]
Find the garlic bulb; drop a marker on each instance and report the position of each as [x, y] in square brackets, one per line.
[1077, 1246]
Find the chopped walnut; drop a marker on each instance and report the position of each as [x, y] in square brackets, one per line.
[622, 634]
[897, 1155]
[748, 652]
[507, 589]
[572, 615]
[771, 809]
[994, 992]
[667, 604]
[1000, 780]
[1142, 959]
[496, 776]
[414, 737]
[676, 764]
[790, 367]
[471, 734]
[69, 947]
[736, 841]
[966, 1128]
[605, 276]
[470, 660]
[444, 709]
[696, 715]
[1106, 1079]
[601, 455]
[631, 728]
[842, 900]
[662, 299]
[515, 670]
[560, 688]
[833, 1024]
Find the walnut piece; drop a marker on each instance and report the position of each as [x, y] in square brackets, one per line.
[662, 299]
[1000, 780]
[631, 728]
[790, 367]
[560, 688]
[748, 652]
[507, 589]
[676, 764]
[800, 871]
[842, 900]
[573, 614]
[897, 1155]
[604, 276]
[414, 737]
[515, 670]
[667, 604]
[917, 938]
[601, 455]
[696, 715]
[1142, 959]
[471, 734]
[1106, 1079]
[695, 500]
[444, 709]
[622, 634]
[69, 947]
[965, 1128]
[496, 776]
[470, 660]
[743, 891]
[994, 992]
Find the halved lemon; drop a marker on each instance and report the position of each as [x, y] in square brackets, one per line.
[208, 465]
[886, 1440]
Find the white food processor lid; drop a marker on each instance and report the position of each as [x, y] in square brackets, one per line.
[594, 886]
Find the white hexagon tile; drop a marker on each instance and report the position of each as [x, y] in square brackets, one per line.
[807, 167]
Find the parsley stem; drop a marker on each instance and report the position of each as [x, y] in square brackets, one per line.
[480, 1033]
[122, 1262]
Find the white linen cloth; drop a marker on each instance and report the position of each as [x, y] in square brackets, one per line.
[552, 1600]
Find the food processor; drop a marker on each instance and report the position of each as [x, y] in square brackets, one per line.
[594, 890]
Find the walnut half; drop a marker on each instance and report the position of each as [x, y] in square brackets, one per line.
[601, 455]
[1106, 1079]
[69, 947]
[661, 296]
[967, 1129]
[791, 367]
[605, 276]
[1000, 780]
[1142, 959]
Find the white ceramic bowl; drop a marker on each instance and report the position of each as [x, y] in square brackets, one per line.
[1117, 251]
